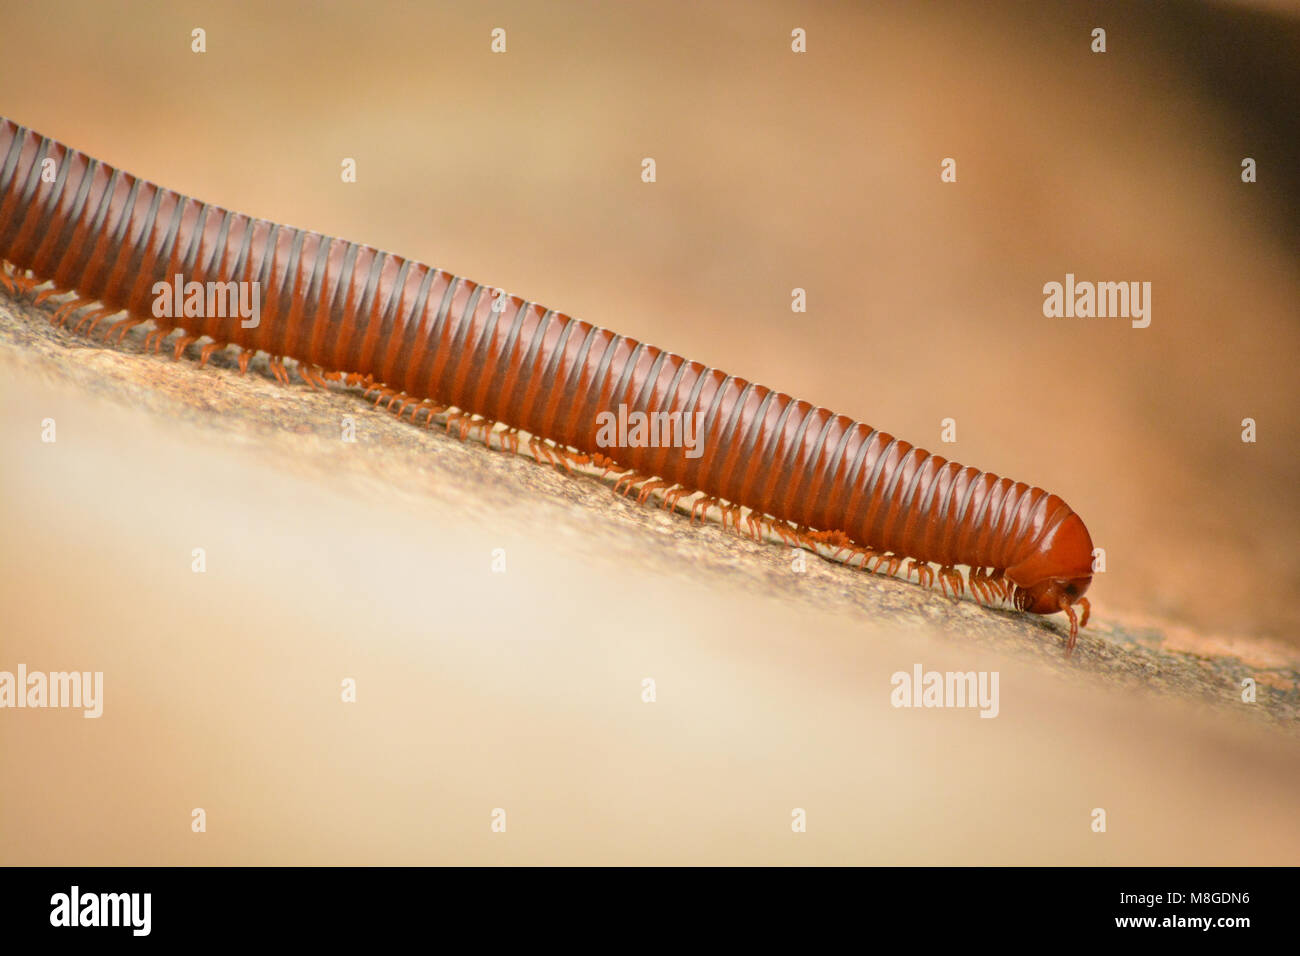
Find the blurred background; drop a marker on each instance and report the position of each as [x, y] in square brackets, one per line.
[774, 171]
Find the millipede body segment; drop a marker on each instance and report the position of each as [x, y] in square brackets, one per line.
[433, 342]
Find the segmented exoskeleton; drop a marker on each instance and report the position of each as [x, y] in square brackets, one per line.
[429, 342]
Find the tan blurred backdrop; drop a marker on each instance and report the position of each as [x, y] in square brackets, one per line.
[778, 171]
[775, 171]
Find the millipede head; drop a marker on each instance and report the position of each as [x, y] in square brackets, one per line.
[1055, 575]
[1046, 597]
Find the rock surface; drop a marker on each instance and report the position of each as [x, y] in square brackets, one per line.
[305, 426]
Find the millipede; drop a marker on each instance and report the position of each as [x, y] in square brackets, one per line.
[481, 362]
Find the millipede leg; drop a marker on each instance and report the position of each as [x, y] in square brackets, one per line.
[205, 353]
[671, 496]
[633, 479]
[783, 531]
[1074, 626]
[94, 315]
[569, 459]
[181, 345]
[155, 338]
[950, 577]
[649, 488]
[704, 504]
[453, 420]
[832, 539]
[23, 284]
[47, 294]
[121, 327]
[99, 316]
[958, 583]
[64, 312]
[539, 447]
[432, 410]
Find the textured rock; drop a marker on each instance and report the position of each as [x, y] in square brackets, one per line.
[304, 426]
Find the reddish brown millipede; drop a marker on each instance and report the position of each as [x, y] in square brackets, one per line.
[429, 342]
